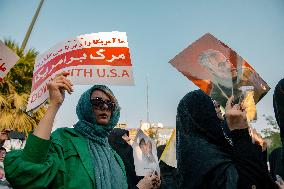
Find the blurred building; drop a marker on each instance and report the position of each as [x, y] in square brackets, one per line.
[132, 133]
[157, 131]
[121, 125]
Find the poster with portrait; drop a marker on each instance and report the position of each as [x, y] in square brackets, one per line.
[145, 154]
[219, 71]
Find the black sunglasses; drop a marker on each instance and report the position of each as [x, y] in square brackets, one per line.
[99, 103]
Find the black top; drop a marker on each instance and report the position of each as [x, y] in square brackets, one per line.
[276, 158]
[168, 173]
[278, 104]
[276, 163]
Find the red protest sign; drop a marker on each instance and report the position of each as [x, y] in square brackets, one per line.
[7, 60]
[97, 58]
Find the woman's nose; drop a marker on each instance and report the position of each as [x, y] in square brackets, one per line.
[104, 107]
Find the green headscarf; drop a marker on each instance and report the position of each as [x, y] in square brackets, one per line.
[108, 174]
[87, 124]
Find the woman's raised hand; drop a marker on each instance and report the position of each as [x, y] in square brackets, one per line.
[57, 88]
[235, 115]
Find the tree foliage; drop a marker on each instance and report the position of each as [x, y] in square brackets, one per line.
[272, 134]
[15, 90]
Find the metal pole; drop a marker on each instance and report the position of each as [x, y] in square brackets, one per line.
[147, 100]
[25, 41]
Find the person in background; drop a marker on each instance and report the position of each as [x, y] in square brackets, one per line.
[276, 158]
[4, 136]
[119, 141]
[78, 157]
[4, 184]
[16, 141]
[168, 173]
[2, 154]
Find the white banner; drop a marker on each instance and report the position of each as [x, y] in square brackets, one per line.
[97, 58]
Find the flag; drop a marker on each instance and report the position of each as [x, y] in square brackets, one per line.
[169, 154]
[7, 60]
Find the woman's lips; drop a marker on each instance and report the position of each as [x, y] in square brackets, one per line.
[103, 116]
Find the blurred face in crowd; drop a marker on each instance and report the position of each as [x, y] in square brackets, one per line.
[4, 135]
[103, 106]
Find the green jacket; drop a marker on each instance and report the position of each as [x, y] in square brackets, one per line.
[61, 162]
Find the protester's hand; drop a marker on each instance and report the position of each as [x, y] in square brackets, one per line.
[257, 138]
[57, 88]
[147, 182]
[280, 184]
[156, 182]
[235, 115]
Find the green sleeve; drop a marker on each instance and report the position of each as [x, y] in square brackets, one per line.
[36, 149]
[36, 166]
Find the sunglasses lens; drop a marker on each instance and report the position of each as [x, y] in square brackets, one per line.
[99, 103]
[110, 105]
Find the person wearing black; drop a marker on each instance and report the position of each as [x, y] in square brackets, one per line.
[118, 139]
[276, 158]
[276, 163]
[212, 153]
[168, 173]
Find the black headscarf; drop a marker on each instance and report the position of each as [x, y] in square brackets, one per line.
[276, 158]
[168, 173]
[119, 144]
[278, 104]
[202, 161]
[125, 151]
[196, 114]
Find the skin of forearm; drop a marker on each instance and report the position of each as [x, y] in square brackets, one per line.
[44, 128]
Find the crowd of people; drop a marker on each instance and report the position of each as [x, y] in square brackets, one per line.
[213, 150]
[9, 140]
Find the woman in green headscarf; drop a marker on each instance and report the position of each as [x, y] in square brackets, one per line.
[78, 157]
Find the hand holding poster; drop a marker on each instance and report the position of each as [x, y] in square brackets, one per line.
[145, 154]
[97, 58]
[7, 60]
[218, 70]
